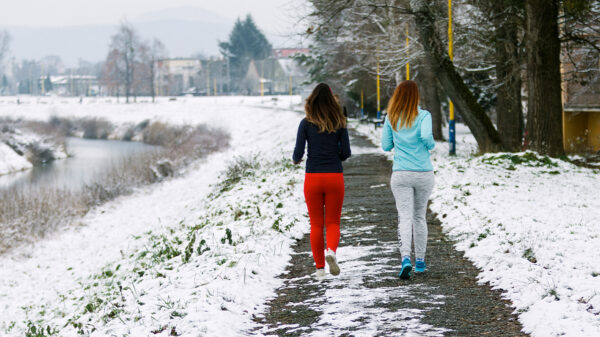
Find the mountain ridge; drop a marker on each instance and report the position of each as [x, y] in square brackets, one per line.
[185, 31]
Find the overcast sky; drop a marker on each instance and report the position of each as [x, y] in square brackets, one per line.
[273, 16]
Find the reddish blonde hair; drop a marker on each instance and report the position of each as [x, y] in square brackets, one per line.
[403, 105]
[323, 110]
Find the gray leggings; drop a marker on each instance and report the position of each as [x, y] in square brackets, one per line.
[411, 190]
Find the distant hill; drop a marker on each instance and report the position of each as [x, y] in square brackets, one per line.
[184, 31]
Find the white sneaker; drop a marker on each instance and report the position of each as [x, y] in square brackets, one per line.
[334, 269]
[320, 273]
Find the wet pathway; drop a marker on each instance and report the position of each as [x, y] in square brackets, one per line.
[368, 299]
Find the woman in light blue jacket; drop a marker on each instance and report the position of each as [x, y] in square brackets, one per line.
[407, 130]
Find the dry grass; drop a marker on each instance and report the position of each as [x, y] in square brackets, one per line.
[28, 213]
[95, 128]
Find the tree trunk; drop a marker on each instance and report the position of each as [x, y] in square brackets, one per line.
[431, 99]
[473, 114]
[544, 106]
[509, 110]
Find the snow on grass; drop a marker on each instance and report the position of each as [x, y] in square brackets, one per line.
[20, 150]
[130, 267]
[10, 161]
[531, 224]
[197, 275]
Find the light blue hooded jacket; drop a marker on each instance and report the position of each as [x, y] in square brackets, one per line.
[411, 145]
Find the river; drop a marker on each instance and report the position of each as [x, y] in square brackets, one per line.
[88, 160]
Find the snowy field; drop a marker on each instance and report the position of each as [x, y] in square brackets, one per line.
[196, 255]
[530, 224]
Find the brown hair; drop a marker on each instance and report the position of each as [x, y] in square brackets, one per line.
[403, 105]
[323, 110]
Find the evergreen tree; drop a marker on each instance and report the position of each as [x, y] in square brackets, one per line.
[246, 43]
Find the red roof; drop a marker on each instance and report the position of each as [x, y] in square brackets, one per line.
[288, 52]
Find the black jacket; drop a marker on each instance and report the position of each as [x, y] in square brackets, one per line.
[326, 151]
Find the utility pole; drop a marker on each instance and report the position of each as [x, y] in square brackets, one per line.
[43, 81]
[207, 79]
[407, 63]
[362, 103]
[378, 92]
[262, 79]
[228, 76]
[451, 123]
[71, 81]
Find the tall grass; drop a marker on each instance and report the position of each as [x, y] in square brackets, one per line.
[30, 213]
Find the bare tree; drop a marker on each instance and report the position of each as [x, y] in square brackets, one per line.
[157, 52]
[4, 45]
[426, 78]
[111, 77]
[507, 18]
[141, 71]
[126, 43]
[504, 36]
[375, 33]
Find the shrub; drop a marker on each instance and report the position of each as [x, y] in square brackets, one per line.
[239, 168]
[159, 133]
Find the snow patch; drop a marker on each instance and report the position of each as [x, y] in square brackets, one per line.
[531, 224]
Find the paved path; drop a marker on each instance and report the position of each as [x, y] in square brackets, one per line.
[368, 299]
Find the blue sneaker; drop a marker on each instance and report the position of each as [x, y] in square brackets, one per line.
[406, 268]
[420, 266]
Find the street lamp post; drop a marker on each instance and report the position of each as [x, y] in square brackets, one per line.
[451, 123]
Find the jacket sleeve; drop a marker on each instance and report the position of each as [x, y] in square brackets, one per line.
[387, 138]
[300, 142]
[345, 151]
[426, 134]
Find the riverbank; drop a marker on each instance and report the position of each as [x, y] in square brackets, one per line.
[40, 142]
[47, 276]
[21, 147]
[30, 213]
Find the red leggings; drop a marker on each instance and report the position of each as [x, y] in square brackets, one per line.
[324, 194]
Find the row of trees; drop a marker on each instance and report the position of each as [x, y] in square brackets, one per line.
[130, 65]
[30, 76]
[502, 48]
[4, 43]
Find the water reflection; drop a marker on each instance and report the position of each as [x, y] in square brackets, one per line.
[89, 159]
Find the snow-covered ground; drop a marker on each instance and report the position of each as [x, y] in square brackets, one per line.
[13, 158]
[10, 161]
[530, 224]
[139, 265]
[189, 255]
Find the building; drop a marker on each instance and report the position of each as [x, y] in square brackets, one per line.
[73, 85]
[278, 75]
[191, 76]
[581, 109]
[177, 76]
[289, 52]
